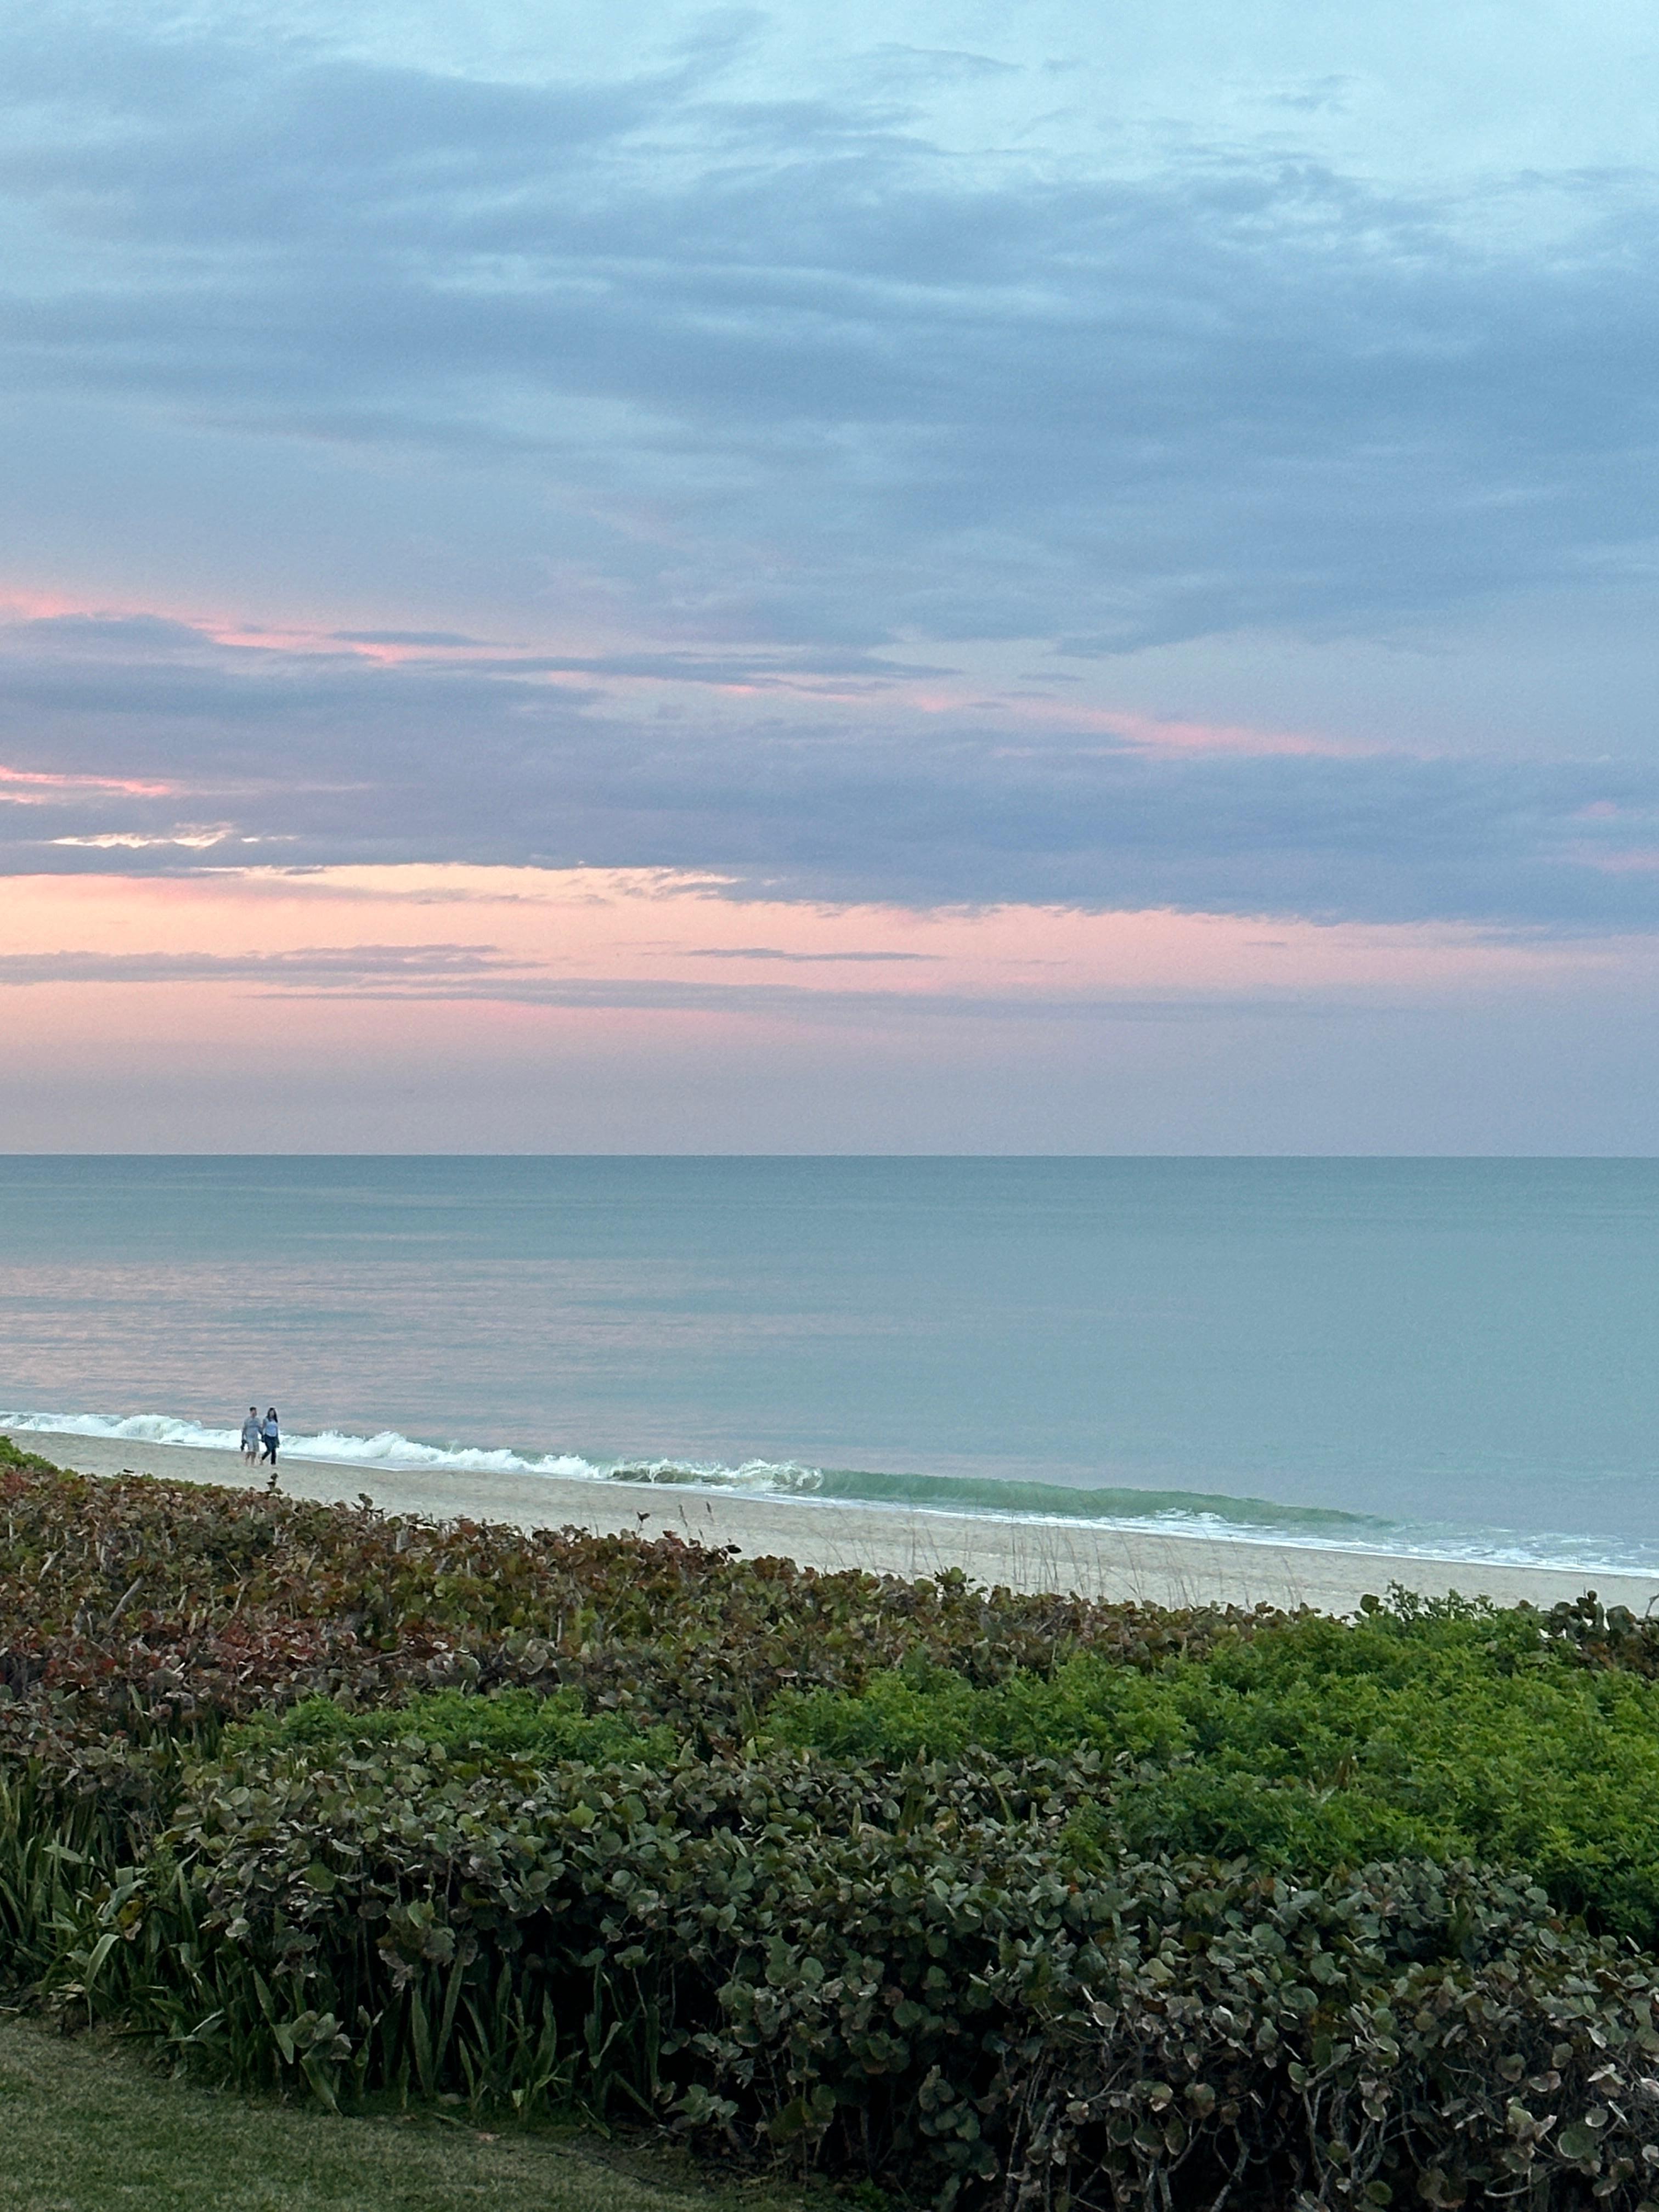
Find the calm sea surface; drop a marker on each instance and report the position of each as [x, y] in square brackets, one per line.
[1459, 1356]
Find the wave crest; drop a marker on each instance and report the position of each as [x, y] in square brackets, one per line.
[1197, 1511]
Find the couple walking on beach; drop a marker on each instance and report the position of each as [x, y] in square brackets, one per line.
[258, 1435]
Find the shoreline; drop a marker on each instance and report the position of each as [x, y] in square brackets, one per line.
[1093, 1560]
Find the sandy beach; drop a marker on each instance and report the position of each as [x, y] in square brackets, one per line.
[1098, 1562]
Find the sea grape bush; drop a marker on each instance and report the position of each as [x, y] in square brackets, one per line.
[1019, 1901]
[918, 1976]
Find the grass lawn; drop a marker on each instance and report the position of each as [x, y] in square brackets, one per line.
[89, 2126]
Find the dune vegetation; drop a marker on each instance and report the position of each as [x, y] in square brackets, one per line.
[949, 1894]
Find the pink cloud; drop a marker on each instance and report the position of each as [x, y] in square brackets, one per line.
[1164, 734]
[1154, 732]
[23, 786]
[22, 604]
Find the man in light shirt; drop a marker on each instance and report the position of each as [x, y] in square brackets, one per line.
[251, 1436]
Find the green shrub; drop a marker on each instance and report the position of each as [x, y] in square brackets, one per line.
[505, 1725]
[1317, 1745]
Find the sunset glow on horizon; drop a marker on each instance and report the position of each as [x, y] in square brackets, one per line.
[533, 976]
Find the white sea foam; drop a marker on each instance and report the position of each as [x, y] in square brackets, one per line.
[388, 1448]
[332, 1447]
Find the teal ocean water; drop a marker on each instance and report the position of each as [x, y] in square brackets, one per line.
[1452, 1357]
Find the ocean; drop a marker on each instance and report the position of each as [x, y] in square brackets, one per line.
[1453, 1358]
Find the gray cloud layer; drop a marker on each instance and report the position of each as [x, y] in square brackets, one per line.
[304, 758]
[814, 400]
[867, 384]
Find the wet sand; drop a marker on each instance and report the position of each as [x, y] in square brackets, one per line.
[1111, 1563]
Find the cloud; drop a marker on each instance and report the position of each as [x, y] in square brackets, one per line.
[813, 377]
[311, 968]
[28, 787]
[188, 754]
[430, 638]
[775, 952]
[481, 974]
[188, 837]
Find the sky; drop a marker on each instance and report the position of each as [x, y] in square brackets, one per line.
[913, 578]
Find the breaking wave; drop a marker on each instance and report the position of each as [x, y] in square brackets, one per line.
[940, 1493]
